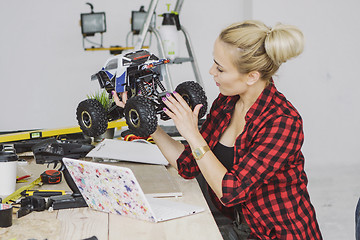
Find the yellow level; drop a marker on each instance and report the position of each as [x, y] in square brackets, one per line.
[11, 137]
[17, 194]
[111, 48]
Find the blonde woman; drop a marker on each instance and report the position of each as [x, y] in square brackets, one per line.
[249, 147]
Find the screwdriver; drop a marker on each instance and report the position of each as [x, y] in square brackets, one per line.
[42, 193]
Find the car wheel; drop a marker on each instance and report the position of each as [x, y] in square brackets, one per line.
[193, 94]
[91, 117]
[140, 115]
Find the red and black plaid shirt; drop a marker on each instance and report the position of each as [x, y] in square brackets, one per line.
[267, 178]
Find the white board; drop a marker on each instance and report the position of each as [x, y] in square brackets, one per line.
[113, 149]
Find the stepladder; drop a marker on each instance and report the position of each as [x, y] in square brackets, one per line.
[148, 28]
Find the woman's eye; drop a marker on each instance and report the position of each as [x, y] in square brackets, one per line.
[219, 69]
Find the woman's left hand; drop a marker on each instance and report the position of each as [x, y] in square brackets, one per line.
[185, 119]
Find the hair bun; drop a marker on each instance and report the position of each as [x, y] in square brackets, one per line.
[283, 42]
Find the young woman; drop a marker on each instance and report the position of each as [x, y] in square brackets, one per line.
[249, 147]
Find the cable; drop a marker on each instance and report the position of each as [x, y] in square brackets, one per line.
[92, 42]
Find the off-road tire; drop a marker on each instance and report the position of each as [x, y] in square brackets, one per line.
[193, 94]
[91, 117]
[140, 115]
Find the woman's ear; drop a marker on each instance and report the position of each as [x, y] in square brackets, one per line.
[253, 77]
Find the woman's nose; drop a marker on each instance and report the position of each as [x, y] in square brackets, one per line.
[211, 70]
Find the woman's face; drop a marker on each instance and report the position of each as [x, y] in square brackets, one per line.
[226, 76]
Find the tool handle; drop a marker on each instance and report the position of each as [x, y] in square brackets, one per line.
[48, 193]
[43, 193]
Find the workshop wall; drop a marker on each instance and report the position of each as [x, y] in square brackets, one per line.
[45, 72]
[322, 82]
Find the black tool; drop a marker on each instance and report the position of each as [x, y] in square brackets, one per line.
[31, 203]
[66, 201]
[52, 151]
[26, 145]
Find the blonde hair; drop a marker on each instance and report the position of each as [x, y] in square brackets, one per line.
[260, 48]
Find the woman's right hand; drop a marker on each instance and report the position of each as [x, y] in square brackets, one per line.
[118, 102]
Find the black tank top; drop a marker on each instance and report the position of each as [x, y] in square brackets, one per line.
[225, 155]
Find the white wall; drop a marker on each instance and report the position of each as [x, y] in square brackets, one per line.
[323, 82]
[45, 72]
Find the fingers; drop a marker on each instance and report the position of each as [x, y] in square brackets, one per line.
[169, 113]
[172, 106]
[124, 97]
[176, 102]
[181, 100]
[197, 109]
[118, 102]
[177, 105]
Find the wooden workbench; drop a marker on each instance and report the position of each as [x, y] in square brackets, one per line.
[82, 223]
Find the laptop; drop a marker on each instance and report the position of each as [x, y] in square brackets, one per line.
[114, 189]
[152, 176]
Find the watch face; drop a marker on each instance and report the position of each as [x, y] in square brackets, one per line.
[197, 152]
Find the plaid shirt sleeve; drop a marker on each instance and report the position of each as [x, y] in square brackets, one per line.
[275, 144]
[187, 166]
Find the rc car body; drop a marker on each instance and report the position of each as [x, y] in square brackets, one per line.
[138, 73]
[124, 72]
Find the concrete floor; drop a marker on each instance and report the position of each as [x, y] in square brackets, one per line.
[334, 191]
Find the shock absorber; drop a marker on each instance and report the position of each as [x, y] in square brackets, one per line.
[142, 88]
[157, 81]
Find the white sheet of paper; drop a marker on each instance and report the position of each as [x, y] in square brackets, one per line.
[128, 151]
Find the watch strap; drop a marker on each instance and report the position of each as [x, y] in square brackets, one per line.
[199, 152]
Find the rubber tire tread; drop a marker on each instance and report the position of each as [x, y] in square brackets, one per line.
[196, 95]
[145, 108]
[98, 117]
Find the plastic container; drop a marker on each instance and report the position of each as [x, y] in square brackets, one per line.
[6, 212]
[170, 35]
[8, 168]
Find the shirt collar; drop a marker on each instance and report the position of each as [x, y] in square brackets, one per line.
[258, 107]
[262, 101]
[230, 102]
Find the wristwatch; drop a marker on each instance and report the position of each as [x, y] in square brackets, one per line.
[199, 152]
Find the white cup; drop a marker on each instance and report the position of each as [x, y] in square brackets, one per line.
[8, 167]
